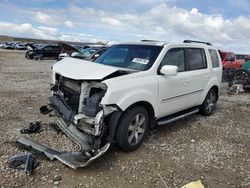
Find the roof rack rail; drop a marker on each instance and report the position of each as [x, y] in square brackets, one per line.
[145, 40]
[195, 41]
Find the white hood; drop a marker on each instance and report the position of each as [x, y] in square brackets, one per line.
[82, 70]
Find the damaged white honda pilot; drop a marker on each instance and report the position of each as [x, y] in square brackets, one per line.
[128, 90]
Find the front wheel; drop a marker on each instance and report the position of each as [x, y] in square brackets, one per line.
[208, 105]
[132, 128]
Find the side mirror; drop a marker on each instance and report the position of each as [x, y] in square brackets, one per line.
[169, 70]
[96, 55]
[76, 54]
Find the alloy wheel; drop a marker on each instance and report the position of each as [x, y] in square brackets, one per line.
[136, 129]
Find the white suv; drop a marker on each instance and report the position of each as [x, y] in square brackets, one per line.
[130, 89]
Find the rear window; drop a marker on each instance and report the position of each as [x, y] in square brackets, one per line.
[197, 59]
[214, 58]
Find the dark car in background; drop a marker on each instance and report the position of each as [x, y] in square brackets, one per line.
[43, 52]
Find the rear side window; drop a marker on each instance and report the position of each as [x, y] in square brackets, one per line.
[214, 58]
[175, 56]
[197, 59]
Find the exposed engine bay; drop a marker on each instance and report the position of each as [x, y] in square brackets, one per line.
[80, 115]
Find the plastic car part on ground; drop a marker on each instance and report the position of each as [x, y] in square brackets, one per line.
[26, 159]
[75, 159]
[236, 89]
[194, 184]
[33, 127]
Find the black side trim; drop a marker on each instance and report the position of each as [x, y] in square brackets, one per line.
[113, 124]
[182, 95]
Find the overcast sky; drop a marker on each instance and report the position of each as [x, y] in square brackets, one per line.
[225, 23]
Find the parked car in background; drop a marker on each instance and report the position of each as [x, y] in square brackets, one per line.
[229, 60]
[21, 46]
[243, 56]
[43, 52]
[68, 49]
[9, 45]
[89, 54]
[85, 52]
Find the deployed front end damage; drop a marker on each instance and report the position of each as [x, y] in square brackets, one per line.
[77, 104]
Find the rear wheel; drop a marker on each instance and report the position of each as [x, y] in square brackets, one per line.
[208, 105]
[132, 128]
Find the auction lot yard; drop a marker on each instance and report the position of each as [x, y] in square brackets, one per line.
[212, 149]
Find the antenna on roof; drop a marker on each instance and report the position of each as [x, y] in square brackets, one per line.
[195, 41]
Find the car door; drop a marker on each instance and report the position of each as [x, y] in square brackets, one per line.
[45, 51]
[55, 51]
[173, 89]
[198, 77]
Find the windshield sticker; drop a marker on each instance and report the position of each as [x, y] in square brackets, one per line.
[140, 60]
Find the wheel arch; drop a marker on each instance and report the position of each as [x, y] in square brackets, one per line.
[115, 119]
[148, 107]
[216, 88]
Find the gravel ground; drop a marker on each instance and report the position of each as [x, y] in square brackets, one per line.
[213, 149]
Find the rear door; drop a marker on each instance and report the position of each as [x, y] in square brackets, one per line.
[198, 77]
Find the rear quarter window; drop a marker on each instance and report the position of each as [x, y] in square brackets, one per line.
[197, 59]
[214, 58]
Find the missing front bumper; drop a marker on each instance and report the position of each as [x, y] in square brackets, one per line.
[72, 159]
[76, 159]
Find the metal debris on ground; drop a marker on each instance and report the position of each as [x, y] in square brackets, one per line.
[236, 89]
[55, 128]
[194, 184]
[33, 127]
[26, 159]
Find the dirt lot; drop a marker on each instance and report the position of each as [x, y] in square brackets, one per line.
[213, 149]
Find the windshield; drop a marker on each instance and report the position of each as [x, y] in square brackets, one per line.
[137, 57]
[88, 52]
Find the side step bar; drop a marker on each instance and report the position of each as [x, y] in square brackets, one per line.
[177, 116]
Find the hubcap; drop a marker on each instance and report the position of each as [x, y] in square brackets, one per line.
[211, 102]
[136, 129]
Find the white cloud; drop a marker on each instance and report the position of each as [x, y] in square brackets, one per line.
[158, 21]
[42, 32]
[112, 22]
[69, 24]
[43, 18]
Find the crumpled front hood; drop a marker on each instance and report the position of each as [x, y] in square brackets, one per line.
[82, 70]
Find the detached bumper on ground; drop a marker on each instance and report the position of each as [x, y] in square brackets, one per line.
[90, 145]
[72, 159]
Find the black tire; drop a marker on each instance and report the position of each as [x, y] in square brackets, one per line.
[242, 75]
[133, 122]
[208, 105]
